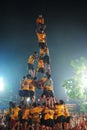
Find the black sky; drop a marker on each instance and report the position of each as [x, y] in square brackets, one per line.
[66, 37]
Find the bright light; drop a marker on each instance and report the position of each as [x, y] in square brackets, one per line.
[28, 99]
[1, 84]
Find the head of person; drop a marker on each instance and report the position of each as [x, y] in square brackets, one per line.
[24, 77]
[11, 104]
[61, 102]
[56, 103]
[35, 54]
[48, 75]
[28, 76]
[40, 16]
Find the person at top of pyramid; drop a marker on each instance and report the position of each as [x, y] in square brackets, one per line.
[40, 31]
[40, 24]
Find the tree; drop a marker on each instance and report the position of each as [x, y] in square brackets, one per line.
[75, 87]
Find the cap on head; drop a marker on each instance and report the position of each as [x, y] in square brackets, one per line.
[28, 76]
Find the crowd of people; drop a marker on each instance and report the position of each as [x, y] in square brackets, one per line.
[42, 116]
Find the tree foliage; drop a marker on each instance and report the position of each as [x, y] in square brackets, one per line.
[75, 86]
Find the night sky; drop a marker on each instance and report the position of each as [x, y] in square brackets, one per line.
[66, 29]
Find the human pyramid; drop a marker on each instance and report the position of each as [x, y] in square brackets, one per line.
[48, 112]
[32, 80]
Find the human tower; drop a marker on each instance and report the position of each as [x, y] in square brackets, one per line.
[32, 80]
[46, 113]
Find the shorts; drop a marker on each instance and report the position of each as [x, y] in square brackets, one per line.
[42, 45]
[61, 119]
[30, 121]
[40, 28]
[42, 122]
[46, 59]
[20, 93]
[24, 120]
[25, 93]
[47, 93]
[8, 118]
[31, 93]
[21, 120]
[41, 70]
[67, 120]
[55, 121]
[49, 122]
[30, 66]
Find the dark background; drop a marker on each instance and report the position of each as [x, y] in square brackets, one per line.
[66, 31]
